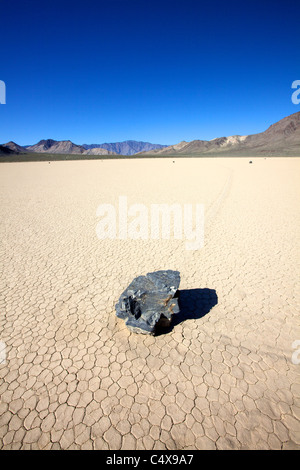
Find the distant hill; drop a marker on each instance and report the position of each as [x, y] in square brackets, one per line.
[282, 138]
[62, 147]
[128, 147]
[5, 150]
[98, 151]
[54, 146]
[15, 148]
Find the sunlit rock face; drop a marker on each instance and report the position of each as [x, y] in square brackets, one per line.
[149, 301]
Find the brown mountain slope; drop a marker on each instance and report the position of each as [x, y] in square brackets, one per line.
[54, 146]
[282, 138]
[5, 150]
[15, 147]
[65, 147]
[98, 151]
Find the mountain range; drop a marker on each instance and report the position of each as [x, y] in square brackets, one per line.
[129, 147]
[282, 138]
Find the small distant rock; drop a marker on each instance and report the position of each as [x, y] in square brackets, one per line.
[149, 301]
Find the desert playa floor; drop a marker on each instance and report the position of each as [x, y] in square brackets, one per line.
[226, 375]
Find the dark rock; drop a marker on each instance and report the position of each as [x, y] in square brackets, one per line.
[149, 301]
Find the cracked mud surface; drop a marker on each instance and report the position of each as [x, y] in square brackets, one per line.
[221, 377]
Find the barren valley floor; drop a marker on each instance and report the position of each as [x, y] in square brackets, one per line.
[225, 376]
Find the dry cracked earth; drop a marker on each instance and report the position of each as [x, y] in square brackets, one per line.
[224, 376]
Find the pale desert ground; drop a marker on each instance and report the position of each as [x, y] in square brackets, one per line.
[74, 377]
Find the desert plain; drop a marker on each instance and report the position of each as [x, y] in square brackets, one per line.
[226, 375]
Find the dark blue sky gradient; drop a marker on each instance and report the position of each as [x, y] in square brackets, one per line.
[158, 71]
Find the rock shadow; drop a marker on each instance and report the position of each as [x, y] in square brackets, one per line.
[193, 304]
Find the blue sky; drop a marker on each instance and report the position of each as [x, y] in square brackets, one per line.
[158, 71]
